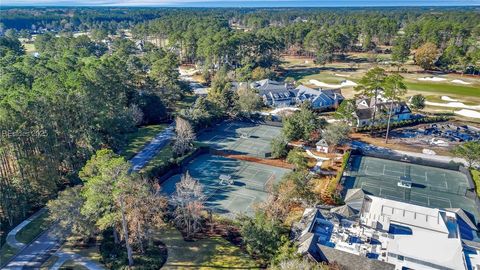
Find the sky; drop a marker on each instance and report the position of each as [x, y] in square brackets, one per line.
[237, 3]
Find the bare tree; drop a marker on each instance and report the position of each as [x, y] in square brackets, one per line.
[189, 201]
[184, 138]
[144, 208]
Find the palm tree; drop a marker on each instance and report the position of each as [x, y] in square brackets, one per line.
[394, 90]
[370, 85]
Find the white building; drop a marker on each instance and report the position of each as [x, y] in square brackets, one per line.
[370, 232]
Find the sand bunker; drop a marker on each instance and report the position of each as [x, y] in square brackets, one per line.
[468, 113]
[453, 105]
[447, 98]
[342, 75]
[460, 82]
[346, 83]
[279, 110]
[433, 79]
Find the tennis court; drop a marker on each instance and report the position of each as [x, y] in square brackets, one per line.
[430, 186]
[242, 138]
[249, 182]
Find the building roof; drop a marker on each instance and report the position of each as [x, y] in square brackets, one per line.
[349, 261]
[433, 240]
[326, 96]
[463, 215]
[363, 112]
[345, 211]
[322, 142]
[354, 198]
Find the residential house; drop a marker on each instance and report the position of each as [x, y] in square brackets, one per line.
[366, 106]
[322, 146]
[274, 93]
[370, 232]
[320, 99]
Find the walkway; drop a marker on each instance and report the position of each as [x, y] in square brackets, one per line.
[148, 152]
[65, 256]
[36, 253]
[11, 236]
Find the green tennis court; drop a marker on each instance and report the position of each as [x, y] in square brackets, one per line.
[250, 182]
[241, 138]
[430, 186]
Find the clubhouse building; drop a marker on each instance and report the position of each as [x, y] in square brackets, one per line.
[370, 232]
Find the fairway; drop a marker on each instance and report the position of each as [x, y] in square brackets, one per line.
[431, 187]
[251, 182]
[241, 138]
[444, 88]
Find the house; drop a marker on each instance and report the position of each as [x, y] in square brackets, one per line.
[274, 93]
[370, 232]
[320, 99]
[365, 108]
[322, 146]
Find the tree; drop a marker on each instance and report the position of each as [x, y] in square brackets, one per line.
[395, 88]
[470, 151]
[301, 124]
[261, 235]
[300, 263]
[287, 251]
[260, 73]
[221, 94]
[426, 55]
[417, 102]
[117, 199]
[370, 85]
[302, 189]
[335, 134]
[65, 210]
[248, 100]
[184, 137]
[401, 51]
[297, 158]
[346, 111]
[279, 146]
[189, 204]
[103, 176]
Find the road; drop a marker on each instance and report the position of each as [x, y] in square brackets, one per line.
[36, 253]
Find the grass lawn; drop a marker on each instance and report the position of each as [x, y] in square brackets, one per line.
[209, 253]
[161, 159]
[476, 179]
[33, 229]
[186, 102]
[49, 263]
[6, 252]
[70, 265]
[137, 140]
[444, 88]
